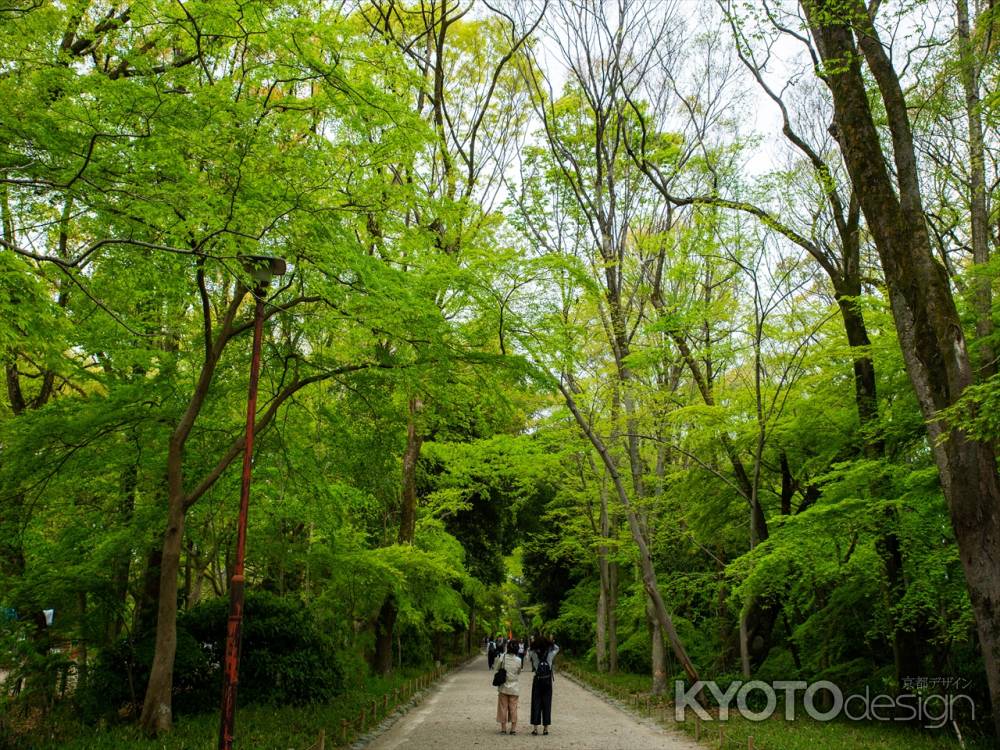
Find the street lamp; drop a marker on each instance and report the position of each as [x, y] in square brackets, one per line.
[261, 269]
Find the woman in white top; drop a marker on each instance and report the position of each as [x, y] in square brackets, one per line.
[507, 693]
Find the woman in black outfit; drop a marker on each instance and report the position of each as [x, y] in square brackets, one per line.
[491, 654]
[542, 655]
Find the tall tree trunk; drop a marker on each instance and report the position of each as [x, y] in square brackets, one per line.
[744, 648]
[470, 632]
[157, 714]
[982, 293]
[658, 654]
[414, 440]
[605, 601]
[865, 390]
[645, 558]
[197, 584]
[927, 321]
[613, 578]
[906, 647]
[602, 619]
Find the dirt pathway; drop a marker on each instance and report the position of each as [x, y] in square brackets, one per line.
[460, 713]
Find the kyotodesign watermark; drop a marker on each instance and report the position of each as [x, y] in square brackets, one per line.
[822, 701]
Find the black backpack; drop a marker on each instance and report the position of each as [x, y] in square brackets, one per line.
[501, 675]
[544, 670]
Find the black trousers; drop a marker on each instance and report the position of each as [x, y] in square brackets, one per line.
[541, 702]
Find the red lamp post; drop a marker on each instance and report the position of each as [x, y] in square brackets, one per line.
[262, 269]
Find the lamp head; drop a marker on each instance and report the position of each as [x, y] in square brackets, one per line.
[263, 268]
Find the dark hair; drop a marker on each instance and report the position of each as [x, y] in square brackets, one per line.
[541, 645]
[512, 645]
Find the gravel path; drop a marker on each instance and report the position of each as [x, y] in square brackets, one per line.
[460, 713]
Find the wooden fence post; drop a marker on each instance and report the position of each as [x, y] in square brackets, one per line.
[750, 742]
[343, 731]
[321, 743]
[697, 727]
[722, 737]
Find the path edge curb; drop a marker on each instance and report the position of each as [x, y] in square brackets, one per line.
[648, 721]
[403, 709]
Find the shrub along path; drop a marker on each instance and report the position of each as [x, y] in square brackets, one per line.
[461, 713]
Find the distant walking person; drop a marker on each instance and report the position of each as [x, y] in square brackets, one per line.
[507, 691]
[542, 655]
[491, 654]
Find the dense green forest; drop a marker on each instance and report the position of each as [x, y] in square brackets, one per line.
[666, 328]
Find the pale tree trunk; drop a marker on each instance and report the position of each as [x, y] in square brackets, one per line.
[744, 648]
[602, 620]
[758, 524]
[470, 633]
[613, 617]
[609, 584]
[603, 599]
[194, 595]
[645, 558]
[414, 441]
[198, 564]
[983, 297]
[927, 321]
[658, 654]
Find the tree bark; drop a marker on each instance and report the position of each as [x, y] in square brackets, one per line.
[982, 292]
[744, 648]
[645, 558]
[414, 441]
[865, 389]
[927, 321]
[658, 654]
[604, 598]
[157, 713]
[602, 619]
[613, 617]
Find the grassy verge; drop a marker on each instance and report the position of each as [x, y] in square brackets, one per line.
[775, 733]
[259, 727]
